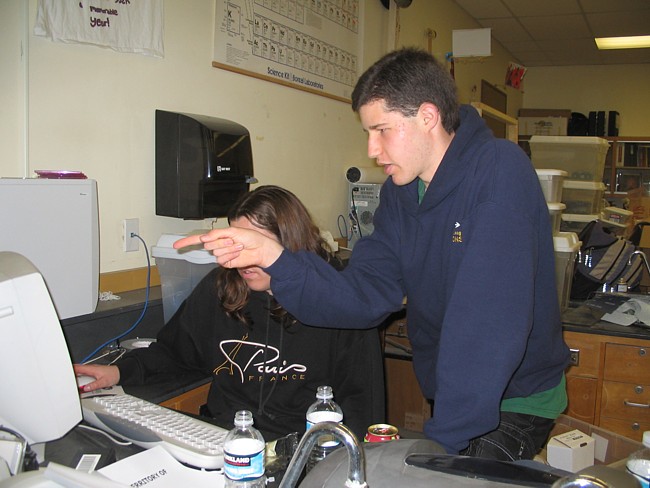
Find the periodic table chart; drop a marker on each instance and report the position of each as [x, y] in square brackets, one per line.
[312, 45]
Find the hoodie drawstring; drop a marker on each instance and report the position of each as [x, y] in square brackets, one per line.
[264, 399]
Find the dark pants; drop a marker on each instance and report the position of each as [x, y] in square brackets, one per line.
[518, 436]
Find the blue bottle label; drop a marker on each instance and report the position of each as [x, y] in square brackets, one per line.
[244, 459]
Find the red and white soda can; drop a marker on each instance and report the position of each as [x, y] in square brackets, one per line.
[381, 433]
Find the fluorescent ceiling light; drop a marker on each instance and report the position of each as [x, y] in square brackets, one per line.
[630, 42]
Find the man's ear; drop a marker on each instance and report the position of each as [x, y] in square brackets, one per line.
[430, 114]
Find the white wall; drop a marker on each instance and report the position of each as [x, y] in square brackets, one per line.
[13, 23]
[92, 109]
[623, 88]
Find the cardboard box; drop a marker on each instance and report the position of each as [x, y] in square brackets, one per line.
[571, 451]
[644, 242]
[545, 112]
[640, 208]
[610, 449]
[543, 126]
[543, 121]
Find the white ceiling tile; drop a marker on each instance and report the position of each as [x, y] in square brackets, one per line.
[560, 32]
[534, 59]
[484, 9]
[529, 8]
[521, 46]
[556, 27]
[612, 6]
[611, 24]
[505, 30]
[576, 45]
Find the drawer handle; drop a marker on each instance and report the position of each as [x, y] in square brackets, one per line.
[574, 358]
[637, 405]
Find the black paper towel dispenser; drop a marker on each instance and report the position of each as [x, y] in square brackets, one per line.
[203, 164]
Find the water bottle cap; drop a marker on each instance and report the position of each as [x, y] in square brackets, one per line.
[646, 438]
[243, 418]
[324, 392]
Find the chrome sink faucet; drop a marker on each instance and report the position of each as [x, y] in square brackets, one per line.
[356, 456]
[643, 257]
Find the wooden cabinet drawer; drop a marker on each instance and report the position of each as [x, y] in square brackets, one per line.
[626, 401]
[585, 351]
[627, 428]
[630, 364]
[582, 398]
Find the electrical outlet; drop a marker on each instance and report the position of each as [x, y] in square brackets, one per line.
[130, 228]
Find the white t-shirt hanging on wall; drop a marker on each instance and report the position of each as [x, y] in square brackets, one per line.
[134, 26]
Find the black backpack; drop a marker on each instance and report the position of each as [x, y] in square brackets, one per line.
[603, 259]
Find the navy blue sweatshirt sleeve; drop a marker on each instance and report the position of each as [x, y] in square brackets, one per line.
[317, 294]
[363, 294]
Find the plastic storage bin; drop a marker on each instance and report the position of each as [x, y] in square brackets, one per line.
[566, 246]
[180, 270]
[551, 181]
[555, 210]
[583, 197]
[575, 222]
[617, 215]
[583, 158]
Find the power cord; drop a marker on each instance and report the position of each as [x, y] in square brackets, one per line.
[354, 217]
[105, 434]
[144, 309]
[342, 225]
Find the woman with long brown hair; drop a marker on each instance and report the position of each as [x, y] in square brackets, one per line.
[261, 358]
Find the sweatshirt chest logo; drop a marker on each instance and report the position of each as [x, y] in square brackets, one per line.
[252, 361]
[457, 234]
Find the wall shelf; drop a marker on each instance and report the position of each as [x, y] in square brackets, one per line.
[512, 124]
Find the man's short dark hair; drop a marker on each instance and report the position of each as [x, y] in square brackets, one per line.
[405, 79]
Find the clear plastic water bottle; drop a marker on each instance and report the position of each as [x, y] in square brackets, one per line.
[639, 462]
[324, 409]
[244, 454]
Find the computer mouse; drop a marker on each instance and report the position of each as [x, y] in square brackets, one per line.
[83, 380]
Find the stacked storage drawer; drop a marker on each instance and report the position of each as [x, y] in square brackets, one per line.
[584, 202]
[566, 244]
[551, 181]
[583, 158]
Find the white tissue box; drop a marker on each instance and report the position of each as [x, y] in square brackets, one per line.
[571, 451]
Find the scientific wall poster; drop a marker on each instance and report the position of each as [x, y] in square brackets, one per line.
[311, 45]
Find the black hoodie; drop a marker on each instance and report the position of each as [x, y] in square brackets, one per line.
[298, 359]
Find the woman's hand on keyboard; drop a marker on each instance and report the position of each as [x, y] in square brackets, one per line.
[105, 376]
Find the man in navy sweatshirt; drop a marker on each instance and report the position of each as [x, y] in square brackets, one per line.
[463, 232]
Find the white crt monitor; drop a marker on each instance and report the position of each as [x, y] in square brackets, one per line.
[39, 398]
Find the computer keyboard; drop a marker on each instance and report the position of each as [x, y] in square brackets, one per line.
[191, 441]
